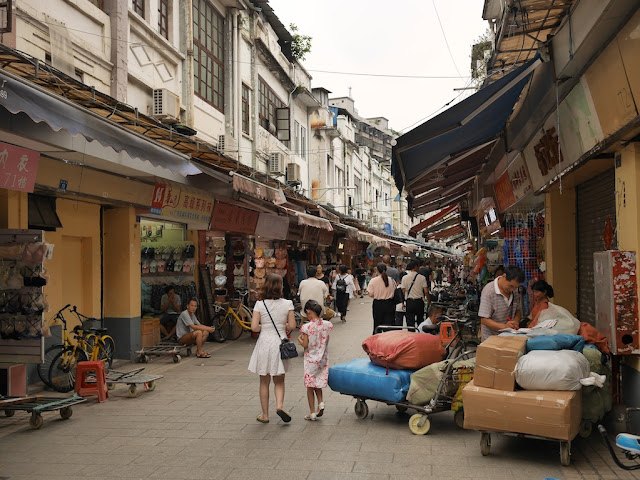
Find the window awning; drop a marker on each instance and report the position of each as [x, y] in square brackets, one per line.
[311, 220]
[453, 137]
[61, 114]
[413, 231]
[258, 189]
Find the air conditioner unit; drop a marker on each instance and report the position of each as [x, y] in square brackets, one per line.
[221, 143]
[293, 173]
[166, 105]
[276, 163]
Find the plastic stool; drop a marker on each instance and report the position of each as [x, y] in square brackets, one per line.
[97, 387]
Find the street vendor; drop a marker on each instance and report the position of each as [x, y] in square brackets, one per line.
[500, 302]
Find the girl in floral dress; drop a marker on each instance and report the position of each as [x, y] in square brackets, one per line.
[314, 337]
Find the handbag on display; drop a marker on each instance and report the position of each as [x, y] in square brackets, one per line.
[287, 347]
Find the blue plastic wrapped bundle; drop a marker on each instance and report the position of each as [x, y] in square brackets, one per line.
[360, 377]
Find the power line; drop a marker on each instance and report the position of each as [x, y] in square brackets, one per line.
[445, 37]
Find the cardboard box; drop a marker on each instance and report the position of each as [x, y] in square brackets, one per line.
[496, 360]
[554, 415]
[150, 330]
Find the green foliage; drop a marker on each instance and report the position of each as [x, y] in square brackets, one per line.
[480, 53]
[301, 44]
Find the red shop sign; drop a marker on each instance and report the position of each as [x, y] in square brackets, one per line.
[18, 167]
[504, 192]
[234, 219]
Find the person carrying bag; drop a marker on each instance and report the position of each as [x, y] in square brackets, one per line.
[414, 297]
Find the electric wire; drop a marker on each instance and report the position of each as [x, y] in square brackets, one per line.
[445, 37]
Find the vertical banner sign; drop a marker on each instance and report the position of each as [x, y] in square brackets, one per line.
[18, 168]
[504, 192]
[520, 180]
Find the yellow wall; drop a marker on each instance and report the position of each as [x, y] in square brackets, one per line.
[121, 263]
[74, 268]
[560, 246]
[628, 209]
[14, 209]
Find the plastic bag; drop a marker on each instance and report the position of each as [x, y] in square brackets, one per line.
[566, 323]
[552, 370]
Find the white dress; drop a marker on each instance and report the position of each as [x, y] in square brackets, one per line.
[265, 359]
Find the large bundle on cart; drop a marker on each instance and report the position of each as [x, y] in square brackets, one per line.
[402, 350]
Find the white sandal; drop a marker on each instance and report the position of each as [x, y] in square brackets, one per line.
[320, 409]
[310, 416]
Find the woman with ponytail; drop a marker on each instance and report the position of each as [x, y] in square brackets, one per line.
[382, 289]
[542, 292]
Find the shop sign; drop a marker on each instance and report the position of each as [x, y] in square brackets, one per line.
[230, 218]
[504, 192]
[296, 232]
[311, 235]
[18, 168]
[182, 204]
[271, 226]
[519, 178]
[325, 238]
[350, 247]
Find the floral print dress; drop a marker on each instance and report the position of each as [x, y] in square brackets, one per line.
[316, 363]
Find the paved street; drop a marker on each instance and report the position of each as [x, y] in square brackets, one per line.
[200, 423]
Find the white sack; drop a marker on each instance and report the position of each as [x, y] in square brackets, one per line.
[552, 370]
[565, 322]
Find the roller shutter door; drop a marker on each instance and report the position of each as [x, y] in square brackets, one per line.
[595, 202]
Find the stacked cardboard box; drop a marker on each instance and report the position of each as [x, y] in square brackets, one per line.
[491, 402]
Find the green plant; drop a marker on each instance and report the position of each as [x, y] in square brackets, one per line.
[300, 44]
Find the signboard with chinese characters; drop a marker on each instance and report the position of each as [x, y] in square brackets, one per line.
[504, 192]
[519, 177]
[177, 202]
[230, 218]
[271, 226]
[18, 168]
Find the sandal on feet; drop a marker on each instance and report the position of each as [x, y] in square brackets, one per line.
[285, 416]
[310, 416]
[203, 355]
[320, 409]
[261, 419]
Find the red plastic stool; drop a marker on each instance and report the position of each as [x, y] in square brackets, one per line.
[97, 387]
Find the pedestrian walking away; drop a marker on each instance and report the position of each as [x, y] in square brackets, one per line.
[265, 360]
[382, 289]
[314, 338]
[415, 290]
[341, 286]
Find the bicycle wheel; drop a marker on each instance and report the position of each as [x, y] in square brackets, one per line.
[235, 328]
[62, 372]
[43, 368]
[106, 348]
[222, 329]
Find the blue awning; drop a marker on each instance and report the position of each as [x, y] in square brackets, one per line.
[465, 126]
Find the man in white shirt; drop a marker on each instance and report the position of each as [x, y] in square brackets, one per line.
[314, 289]
[414, 287]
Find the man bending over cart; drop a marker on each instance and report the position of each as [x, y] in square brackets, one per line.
[190, 331]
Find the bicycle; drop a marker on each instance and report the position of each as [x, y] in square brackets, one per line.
[103, 346]
[231, 322]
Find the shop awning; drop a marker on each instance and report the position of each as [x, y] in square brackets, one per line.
[40, 105]
[365, 237]
[413, 231]
[352, 233]
[257, 189]
[380, 242]
[455, 134]
[311, 220]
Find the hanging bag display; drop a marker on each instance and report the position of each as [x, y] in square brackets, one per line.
[287, 348]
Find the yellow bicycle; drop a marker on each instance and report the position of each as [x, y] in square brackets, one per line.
[230, 322]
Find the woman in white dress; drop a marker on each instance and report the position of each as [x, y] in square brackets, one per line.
[265, 360]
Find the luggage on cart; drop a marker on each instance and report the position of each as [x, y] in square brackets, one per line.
[360, 377]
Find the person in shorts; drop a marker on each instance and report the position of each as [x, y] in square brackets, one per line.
[190, 331]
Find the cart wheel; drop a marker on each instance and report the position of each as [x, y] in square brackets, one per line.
[66, 412]
[485, 443]
[585, 429]
[459, 418]
[110, 386]
[133, 390]
[565, 453]
[36, 420]
[9, 413]
[416, 428]
[361, 409]
[188, 352]
[401, 408]
[151, 386]
[177, 358]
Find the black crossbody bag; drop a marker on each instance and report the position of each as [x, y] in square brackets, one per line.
[287, 348]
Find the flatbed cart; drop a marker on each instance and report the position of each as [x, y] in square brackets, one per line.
[419, 423]
[565, 445]
[36, 404]
[169, 348]
[133, 378]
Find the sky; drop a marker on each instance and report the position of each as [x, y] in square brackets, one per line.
[376, 37]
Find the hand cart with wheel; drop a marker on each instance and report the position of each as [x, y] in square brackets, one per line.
[37, 404]
[565, 445]
[133, 378]
[169, 348]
